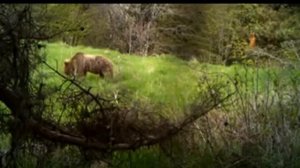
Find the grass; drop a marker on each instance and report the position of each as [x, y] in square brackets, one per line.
[172, 84]
[160, 80]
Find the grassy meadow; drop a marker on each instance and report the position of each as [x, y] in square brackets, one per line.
[264, 102]
[161, 80]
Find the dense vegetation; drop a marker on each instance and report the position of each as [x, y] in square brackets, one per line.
[188, 90]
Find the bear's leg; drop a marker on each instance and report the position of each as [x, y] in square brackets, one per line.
[101, 74]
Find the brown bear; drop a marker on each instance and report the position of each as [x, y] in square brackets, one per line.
[82, 63]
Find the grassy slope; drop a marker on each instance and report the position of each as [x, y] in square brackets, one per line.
[160, 80]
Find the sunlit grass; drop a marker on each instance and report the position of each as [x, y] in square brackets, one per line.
[164, 81]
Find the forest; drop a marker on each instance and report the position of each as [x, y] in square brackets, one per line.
[150, 85]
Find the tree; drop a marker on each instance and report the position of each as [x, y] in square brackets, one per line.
[241, 20]
[99, 32]
[220, 33]
[69, 21]
[181, 31]
[132, 27]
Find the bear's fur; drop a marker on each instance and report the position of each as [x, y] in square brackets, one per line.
[82, 63]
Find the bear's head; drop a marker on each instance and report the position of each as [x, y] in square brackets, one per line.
[69, 68]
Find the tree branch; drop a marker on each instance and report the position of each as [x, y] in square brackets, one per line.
[9, 98]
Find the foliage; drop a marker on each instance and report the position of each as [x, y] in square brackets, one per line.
[68, 21]
[221, 32]
[179, 32]
[98, 32]
[210, 33]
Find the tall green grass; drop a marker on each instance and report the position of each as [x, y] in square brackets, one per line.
[163, 80]
[253, 123]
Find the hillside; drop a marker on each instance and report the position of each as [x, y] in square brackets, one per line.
[162, 80]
